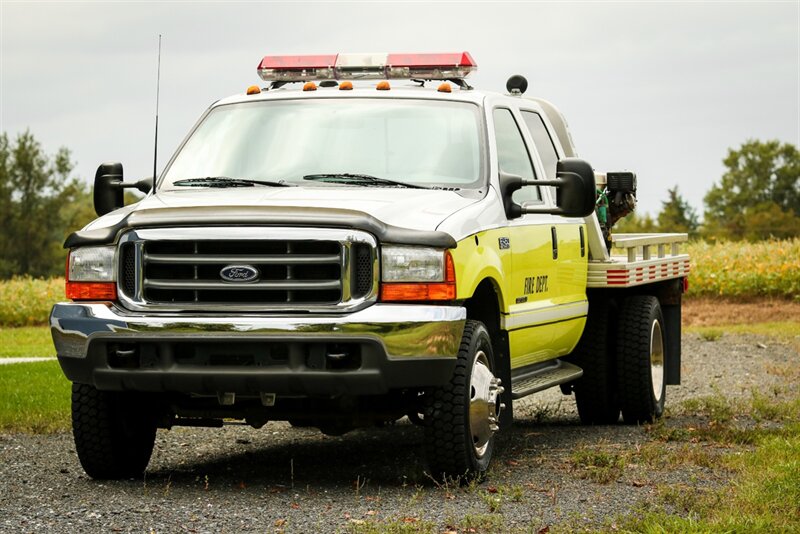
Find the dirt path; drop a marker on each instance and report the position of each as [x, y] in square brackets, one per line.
[280, 478]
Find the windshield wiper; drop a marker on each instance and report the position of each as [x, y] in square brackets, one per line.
[224, 181]
[361, 179]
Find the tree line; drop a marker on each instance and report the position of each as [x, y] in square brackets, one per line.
[758, 197]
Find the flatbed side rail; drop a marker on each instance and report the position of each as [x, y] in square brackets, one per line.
[647, 258]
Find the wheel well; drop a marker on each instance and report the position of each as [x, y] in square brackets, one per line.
[484, 306]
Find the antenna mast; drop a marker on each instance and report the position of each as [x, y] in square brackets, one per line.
[158, 85]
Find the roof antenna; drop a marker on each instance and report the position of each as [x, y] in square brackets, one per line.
[158, 85]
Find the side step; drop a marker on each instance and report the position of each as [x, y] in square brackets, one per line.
[541, 378]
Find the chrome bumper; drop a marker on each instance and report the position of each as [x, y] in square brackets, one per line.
[403, 330]
[395, 347]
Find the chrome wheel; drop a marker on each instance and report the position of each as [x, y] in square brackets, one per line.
[484, 408]
[657, 360]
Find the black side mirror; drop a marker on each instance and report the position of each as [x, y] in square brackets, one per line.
[575, 190]
[576, 194]
[108, 187]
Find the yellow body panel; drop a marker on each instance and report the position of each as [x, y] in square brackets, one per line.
[542, 299]
[479, 257]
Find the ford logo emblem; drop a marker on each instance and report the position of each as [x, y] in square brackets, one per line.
[239, 273]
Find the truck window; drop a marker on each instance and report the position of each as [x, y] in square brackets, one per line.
[512, 154]
[543, 142]
[417, 141]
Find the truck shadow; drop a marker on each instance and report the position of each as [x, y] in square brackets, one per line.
[279, 457]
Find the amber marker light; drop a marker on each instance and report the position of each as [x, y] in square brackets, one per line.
[444, 88]
[346, 86]
[383, 86]
[91, 290]
[253, 90]
[423, 291]
[310, 86]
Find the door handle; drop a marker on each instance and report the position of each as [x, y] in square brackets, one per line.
[554, 237]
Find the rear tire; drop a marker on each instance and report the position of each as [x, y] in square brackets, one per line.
[461, 417]
[114, 432]
[640, 360]
[596, 390]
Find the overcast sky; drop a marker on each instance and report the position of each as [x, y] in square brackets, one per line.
[663, 89]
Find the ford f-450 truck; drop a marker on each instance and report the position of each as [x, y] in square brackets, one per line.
[365, 238]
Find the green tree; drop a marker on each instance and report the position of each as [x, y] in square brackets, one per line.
[759, 194]
[40, 205]
[677, 215]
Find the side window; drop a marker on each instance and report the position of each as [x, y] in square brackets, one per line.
[512, 155]
[544, 145]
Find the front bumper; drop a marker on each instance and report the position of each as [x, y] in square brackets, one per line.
[387, 346]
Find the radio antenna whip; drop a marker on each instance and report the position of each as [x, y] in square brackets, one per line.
[158, 85]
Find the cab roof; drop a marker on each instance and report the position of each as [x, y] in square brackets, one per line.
[398, 89]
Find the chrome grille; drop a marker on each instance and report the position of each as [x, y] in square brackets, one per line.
[302, 269]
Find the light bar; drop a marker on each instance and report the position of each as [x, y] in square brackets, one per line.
[366, 67]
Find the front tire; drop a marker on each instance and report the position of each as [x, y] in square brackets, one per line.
[461, 418]
[114, 432]
[641, 360]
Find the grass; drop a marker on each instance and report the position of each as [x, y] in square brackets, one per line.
[788, 331]
[36, 398]
[26, 341]
[598, 464]
[763, 497]
[760, 438]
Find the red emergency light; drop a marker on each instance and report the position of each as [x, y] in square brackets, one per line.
[446, 66]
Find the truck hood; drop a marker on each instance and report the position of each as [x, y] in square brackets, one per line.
[416, 209]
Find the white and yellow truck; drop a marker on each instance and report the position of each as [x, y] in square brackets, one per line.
[365, 238]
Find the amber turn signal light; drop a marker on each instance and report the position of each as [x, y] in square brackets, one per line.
[91, 290]
[423, 291]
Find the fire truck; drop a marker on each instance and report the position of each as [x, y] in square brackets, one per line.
[364, 238]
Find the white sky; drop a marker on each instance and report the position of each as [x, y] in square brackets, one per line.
[661, 88]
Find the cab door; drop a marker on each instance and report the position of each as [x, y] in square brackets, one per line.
[569, 240]
[532, 281]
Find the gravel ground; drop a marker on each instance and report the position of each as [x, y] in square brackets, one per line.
[282, 478]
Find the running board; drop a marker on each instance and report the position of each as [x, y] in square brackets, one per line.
[544, 378]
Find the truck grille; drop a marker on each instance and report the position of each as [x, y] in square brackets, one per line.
[305, 269]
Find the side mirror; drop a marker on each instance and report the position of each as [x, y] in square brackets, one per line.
[575, 190]
[108, 187]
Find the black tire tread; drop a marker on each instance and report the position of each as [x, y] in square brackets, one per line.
[596, 390]
[447, 452]
[633, 366]
[114, 437]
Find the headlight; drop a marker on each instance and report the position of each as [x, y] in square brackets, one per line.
[412, 264]
[91, 264]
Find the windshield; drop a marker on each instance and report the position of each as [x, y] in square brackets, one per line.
[416, 142]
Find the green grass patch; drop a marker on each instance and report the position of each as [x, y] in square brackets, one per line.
[36, 398]
[26, 341]
[598, 464]
[762, 498]
[782, 330]
[26, 301]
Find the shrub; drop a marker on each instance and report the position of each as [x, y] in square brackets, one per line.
[763, 269]
[26, 301]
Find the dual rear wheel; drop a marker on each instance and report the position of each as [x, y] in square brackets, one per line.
[623, 355]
